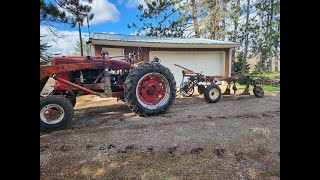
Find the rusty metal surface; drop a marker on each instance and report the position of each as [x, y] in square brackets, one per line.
[196, 78]
[75, 85]
[50, 70]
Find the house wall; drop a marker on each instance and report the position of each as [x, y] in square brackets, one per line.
[144, 52]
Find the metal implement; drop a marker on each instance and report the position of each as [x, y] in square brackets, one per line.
[194, 79]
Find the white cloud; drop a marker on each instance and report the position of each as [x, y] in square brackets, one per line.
[104, 11]
[64, 45]
[135, 3]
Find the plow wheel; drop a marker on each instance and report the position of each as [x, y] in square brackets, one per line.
[212, 93]
[149, 89]
[55, 113]
[185, 90]
[258, 91]
[201, 89]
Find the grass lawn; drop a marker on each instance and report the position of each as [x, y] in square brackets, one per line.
[270, 88]
[271, 74]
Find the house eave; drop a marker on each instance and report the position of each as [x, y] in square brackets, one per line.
[160, 45]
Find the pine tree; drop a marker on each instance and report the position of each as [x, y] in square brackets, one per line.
[49, 15]
[246, 43]
[255, 24]
[168, 18]
[77, 48]
[235, 8]
[78, 13]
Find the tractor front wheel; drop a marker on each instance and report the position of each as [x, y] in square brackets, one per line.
[55, 113]
[71, 96]
[149, 89]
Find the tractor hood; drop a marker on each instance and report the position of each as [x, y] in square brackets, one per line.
[113, 64]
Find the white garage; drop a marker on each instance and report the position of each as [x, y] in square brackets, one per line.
[212, 57]
[208, 62]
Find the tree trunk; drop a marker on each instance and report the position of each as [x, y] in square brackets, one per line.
[81, 46]
[246, 38]
[276, 63]
[195, 18]
[216, 21]
[212, 19]
[270, 37]
[223, 30]
[235, 33]
[261, 61]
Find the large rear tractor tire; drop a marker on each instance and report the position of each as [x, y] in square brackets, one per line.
[56, 113]
[212, 93]
[149, 89]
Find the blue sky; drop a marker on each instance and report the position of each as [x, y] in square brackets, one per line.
[111, 16]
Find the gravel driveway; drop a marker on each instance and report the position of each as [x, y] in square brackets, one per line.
[236, 138]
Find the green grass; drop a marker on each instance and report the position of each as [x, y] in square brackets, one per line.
[270, 88]
[273, 171]
[270, 74]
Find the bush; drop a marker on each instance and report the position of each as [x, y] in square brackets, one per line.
[237, 65]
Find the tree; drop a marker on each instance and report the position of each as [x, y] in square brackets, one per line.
[194, 16]
[238, 65]
[246, 44]
[276, 34]
[49, 15]
[77, 48]
[235, 19]
[255, 24]
[168, 18]
[214, 14]
[78, 13]
[44, 57]
[268, 32]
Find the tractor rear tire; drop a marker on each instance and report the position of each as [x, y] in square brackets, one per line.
[48, 107]
[258, 91]
[149, 89]
[212, 93]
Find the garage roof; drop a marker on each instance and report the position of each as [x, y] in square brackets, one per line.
[166, 42]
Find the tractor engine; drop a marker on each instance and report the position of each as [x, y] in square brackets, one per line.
[89, 76]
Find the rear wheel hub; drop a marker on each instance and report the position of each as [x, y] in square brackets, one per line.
[153, 90]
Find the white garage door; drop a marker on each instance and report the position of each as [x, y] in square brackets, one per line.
[114, 51]
[210, 63]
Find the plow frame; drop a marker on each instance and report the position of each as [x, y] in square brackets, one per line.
[195, 78]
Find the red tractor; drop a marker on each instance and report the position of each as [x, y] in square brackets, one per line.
[148, 88]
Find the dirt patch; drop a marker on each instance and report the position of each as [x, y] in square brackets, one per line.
[231, 139]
